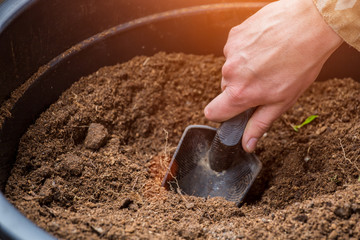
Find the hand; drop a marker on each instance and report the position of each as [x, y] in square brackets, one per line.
[271, 59]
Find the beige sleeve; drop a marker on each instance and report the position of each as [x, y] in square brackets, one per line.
[344, 17]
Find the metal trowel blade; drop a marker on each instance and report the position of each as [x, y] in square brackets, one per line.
[189, 169]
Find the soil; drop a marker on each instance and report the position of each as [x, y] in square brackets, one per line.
[91, 165]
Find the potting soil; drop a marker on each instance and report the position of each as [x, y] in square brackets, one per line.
[91, 165]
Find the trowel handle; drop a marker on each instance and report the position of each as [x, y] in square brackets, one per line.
[227, 141]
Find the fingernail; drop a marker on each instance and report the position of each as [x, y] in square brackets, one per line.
[251, 144]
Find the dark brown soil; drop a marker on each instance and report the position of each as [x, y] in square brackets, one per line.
[91, 165]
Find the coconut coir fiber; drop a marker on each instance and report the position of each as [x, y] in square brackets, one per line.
[91, 165]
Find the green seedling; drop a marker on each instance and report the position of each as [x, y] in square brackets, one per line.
[307, 121]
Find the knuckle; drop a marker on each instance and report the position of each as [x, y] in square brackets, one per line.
[240, 64]
[226, 49]
[223, 84]
[234, 30]
[229, 44]
[227, 69]
[235, 93]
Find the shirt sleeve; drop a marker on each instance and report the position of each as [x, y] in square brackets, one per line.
[344, 17]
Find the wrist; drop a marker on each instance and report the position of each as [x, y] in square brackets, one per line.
[331, 37]
[320, 39]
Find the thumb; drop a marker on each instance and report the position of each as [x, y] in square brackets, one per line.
[258, 124]
[226, 105]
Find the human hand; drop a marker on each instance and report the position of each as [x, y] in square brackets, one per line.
[271, 59]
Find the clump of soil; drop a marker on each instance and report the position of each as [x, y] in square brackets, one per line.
[91, 165]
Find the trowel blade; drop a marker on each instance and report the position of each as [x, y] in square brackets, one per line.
[189, 168]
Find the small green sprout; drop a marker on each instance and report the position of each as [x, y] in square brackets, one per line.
[307, 121]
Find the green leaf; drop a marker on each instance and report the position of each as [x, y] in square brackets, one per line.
[307, 121]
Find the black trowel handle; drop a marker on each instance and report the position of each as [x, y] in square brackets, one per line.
[226, 143]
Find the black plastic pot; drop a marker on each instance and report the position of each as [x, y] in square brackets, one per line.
[71, 39]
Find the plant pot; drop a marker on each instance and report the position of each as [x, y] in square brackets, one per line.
[48, 45]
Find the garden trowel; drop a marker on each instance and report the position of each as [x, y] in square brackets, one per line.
[210, 162]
